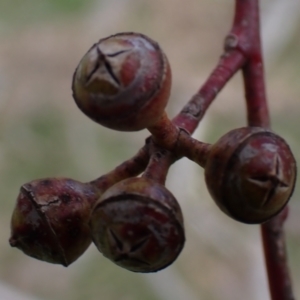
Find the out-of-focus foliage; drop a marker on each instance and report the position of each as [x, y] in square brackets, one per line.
[16, 12]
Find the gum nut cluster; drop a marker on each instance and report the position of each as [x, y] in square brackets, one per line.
[50, 219]
[123, 82]
[251, 173]
[138, 225]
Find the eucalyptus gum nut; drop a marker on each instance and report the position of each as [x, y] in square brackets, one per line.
[123, 82]
[50, 219]
[251, 173]
[138, 225]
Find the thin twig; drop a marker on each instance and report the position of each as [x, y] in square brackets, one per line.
[276, 258]
[129, 168]
[193, 112]
[247, 28]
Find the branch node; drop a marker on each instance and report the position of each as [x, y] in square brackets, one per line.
[231, 42]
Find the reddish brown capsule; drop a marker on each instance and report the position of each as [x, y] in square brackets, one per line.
[138, 225]
[50, 220]
[123, 82]
[251, 173]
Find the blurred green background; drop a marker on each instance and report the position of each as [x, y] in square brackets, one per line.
[43, 134]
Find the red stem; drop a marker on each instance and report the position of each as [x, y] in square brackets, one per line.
[276, 259]
[129, 168]
[246, 31]
[194, 110]
[159, 164]
[164, 132]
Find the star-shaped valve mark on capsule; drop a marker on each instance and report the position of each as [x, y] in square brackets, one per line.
[273, 182]
[103, 67]
[126, 250]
